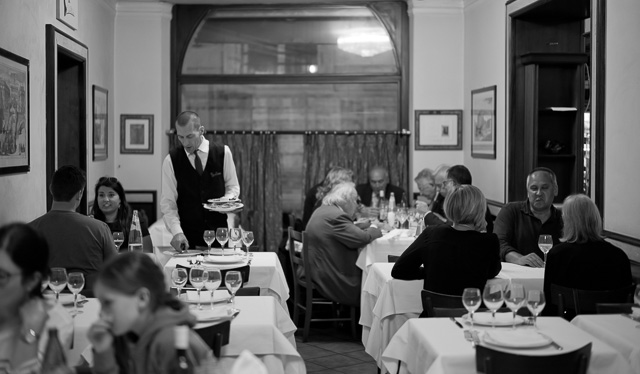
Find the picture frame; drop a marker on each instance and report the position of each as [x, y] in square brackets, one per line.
[136, 133]
[100, 123]
[15, 130]
[483, 122]
[438, 129]
[67, 13]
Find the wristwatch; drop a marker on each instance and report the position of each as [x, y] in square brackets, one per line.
[29, 336]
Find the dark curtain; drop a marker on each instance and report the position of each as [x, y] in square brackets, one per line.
[358, 152]
[257, 161]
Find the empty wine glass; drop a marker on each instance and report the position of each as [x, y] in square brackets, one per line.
[118, 239]
[233, 281]
[222, 235]
[58, 280]
[535, 304]
[234, 238]
[545, 243]
[402, 215]
[214, 278]
[209, 237]
[179, 278]
[514, 297]
[247, 239]
[198, 276]
[493, 298]
[471, 300]
[75, 284]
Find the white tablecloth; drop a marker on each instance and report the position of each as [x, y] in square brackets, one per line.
[265, 272]
[616, 330]
[438, 346]
[392, 243]
[387, 303]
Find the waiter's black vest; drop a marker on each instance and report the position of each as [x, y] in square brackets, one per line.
[195, 190]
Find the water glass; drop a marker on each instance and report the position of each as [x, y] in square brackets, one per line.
[198, 276]
[222, 236]
[209, 237]
[247, 239]
[545, 243]
[233, 281]
[493, 298]
[535, 304]
[214, 278]
[118, 239]
[402, 215]
[179, 279]
[75, 283]
[234, 238]
[58, 280]
[514, 297]
[471, 300]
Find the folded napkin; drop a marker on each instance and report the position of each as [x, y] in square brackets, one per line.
[521, 338]
[248, 363]
[205, 296]
[207, 314]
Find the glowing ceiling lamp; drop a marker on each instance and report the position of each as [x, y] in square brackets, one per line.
[365, 43]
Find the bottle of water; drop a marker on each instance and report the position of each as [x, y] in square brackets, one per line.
[135, 234]
[382, 206]
[391, 213]
[181, 344]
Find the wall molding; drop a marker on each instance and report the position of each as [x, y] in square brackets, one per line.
[144, 9]
[436, 6]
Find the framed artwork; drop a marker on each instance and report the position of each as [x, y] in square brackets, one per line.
[100, 123]
[136, 133]
[483, 123]
[67, 13]
[14, 113]
[438, 129]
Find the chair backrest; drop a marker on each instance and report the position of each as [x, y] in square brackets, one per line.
[248, 291]
[308, 269]
[392, 258]
[215, 335]
[294, 258]
[614, 308]
[490, 361]
[436, 304]
[584, 301]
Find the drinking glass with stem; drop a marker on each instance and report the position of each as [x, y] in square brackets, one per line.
[179, 278]
[402, 216]
[75, 284]
[209, 237]
[58, 280]
[493, 297]
[247, 239]
[535, 304]
[214, 278]
[234, 238]
[118, 239]
[545, 243]
[471, 300]
[198, 276]
[514, 297]
[222, 236]
[233, 282]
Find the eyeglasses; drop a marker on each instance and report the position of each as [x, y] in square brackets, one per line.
[5, 277]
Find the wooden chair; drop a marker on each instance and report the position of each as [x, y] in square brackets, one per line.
[305, 293]
[436, 304]
[392, 258]
[215, 336]
[490, 361]
[573, 301]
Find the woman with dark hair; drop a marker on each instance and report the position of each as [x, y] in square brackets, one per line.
[110, 206]
[25, 316]
[135, 331]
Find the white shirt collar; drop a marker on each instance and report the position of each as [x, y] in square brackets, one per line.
[204, 147]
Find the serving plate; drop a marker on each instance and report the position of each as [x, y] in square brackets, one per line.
[522, 338]
[224, 207]
[223, 259]
[224, 200]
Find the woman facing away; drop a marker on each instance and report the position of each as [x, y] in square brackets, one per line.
[110, 206]
[25, 317]
[315, 195]
[135, 331]
[455, 257]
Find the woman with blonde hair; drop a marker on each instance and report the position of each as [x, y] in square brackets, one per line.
[454, 257]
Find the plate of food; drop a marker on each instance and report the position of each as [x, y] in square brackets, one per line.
[224, 200]
[223, 207]
[485, 319]
[521, 338]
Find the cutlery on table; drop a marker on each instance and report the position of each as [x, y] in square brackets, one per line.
[456, 322]
[553, 342]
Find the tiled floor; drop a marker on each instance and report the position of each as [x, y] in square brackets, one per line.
[334, 351]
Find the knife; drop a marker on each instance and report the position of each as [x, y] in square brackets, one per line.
[456, 322]
[553, 342]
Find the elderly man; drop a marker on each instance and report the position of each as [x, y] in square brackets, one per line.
[191, 175]
[333, 241]
[76, 242]
[426, 182]
[370, 192]
[519, 224]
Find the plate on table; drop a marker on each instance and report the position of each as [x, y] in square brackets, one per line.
[66, 299]
[223, 259]
[224, 200]
[188, 253]
[227, 251]
[223, 207]
[485, 319]
[521, 338]
[191, 296]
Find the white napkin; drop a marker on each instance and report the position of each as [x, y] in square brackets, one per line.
[248, 363]
[205, 296]
[207, 314]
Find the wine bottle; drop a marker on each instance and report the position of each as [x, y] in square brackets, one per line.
[135, 234]
[382, 205]
[54, 360]
[181, 343]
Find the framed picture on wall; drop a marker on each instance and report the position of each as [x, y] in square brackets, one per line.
[100, 123]
[136, 133]
[67, 13]
[483, 123]
[14, 113]
[438, 129]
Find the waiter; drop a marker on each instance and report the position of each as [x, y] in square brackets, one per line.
[191, 175]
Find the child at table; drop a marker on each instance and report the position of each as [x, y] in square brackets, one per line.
[135, 332]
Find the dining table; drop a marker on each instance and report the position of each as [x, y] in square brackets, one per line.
[620, 331]
[439, 345]
[262, 327]
[393, 242]
[387, 303]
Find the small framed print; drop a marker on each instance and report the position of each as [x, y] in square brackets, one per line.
[136, 133]
[438, 129]
[483, 123]
[100, 123]
[67, 13]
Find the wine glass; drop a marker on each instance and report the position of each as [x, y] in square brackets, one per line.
[247, 239]
[179, 279]
[402, 215]
[198, 276]
[234, 237]
[535, 304]
[58, 280]
[214, 278]
[545, 242]
[209, 237]
[75, 284]
[471, 300]
[493, 298]
[118, 239]
[514, 297]
[222, 235]
[233, 281]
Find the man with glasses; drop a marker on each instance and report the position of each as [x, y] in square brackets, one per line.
[369, 193]
[192, 174]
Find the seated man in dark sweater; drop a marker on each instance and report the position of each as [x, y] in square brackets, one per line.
[369, 192]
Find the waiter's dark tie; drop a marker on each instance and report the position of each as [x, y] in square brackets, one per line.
[198, 162]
